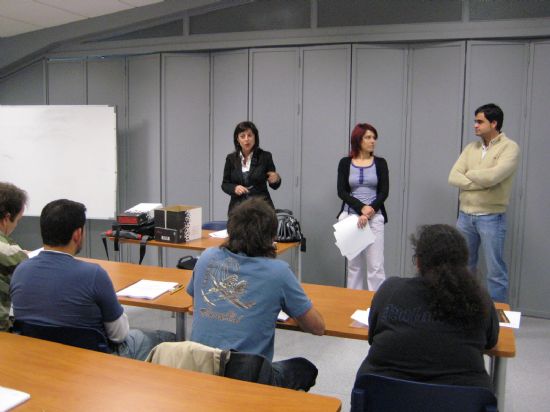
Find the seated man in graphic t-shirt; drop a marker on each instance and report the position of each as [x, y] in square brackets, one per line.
[240, 288]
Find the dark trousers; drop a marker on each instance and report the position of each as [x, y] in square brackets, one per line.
[294, 373]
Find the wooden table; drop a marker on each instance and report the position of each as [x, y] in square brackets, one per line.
[207, 241]
[125, 274]
[334, 303]
[65, 378]
[338, 304]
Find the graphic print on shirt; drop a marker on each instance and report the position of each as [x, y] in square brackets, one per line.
[221, 284]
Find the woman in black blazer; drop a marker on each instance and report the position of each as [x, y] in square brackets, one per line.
[363, 186]
[249, 169]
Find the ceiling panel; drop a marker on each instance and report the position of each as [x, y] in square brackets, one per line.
[21, 16]
[9, 27]
[89, 8]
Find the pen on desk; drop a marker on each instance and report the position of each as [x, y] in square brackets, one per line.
[177, 288]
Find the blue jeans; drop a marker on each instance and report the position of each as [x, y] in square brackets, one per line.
[490, 230]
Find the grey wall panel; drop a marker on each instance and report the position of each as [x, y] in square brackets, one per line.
[436, 76]
[325, 130]
[379, 92]
[497, 73]
[185, 133]
[25, 86]
[534, 282]
[66, 82]
[106, 85]
[143, 178]
[229, 106]
[274, 110]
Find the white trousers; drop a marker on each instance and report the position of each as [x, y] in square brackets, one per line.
[370, 260]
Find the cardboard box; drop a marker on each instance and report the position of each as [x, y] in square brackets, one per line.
[178, 223]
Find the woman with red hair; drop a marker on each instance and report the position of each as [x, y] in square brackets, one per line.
[363, 186]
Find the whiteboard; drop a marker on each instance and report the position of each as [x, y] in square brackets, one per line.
[55, 152]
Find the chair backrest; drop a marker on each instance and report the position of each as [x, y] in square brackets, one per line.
[86, 338]
[375, 393]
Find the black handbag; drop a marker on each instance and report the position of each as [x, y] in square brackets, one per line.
[288, 228]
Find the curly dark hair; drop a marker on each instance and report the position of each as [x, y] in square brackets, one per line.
[454, 294]
[252, 227]
[12, 200]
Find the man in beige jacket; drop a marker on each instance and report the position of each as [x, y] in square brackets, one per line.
[484, 173]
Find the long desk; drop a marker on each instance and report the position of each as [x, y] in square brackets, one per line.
[125, 274]
[334, 303]
[207, 241]
[65, 378]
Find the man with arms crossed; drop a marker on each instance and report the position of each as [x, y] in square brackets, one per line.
[54, 288]
[12, 204]
[484, 173]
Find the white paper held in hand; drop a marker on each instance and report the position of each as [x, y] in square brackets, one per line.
[349, 238]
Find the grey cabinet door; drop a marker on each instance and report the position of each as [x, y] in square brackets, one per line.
[143, 180]
[325, 133]
[229, 106]
[533, 286]
[436, 74]
[497, 72]
[273, 106]
[66, 82]
[379, 94]
[185, 133]
[106, 84]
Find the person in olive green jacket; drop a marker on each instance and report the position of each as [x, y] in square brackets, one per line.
[12, 205]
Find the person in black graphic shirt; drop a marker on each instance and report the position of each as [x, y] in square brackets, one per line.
[433, 327]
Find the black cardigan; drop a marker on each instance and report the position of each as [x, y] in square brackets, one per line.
[344, 190]
[261, 163]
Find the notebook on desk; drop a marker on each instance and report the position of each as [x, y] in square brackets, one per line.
[10, 398]
[147, 289]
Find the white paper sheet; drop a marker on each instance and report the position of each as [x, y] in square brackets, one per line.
[349, 238]
[35, 252]
[222, 234]
[10, 398]
[282, 316]
[147, 289]
[361, 316]
[514, 317]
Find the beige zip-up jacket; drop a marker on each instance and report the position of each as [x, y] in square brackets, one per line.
[485, 184]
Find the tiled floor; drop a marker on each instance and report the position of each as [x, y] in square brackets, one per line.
[338, 359]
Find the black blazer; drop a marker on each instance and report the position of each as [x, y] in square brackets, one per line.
[261, 163]
[344, 190]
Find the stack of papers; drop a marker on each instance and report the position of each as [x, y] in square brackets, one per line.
[360, 318]
[350, 239]
[147, 289]
[10, 398]
[282, 316]
[220, 234]
[511, 319]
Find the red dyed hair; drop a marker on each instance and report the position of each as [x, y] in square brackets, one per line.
[357, 134]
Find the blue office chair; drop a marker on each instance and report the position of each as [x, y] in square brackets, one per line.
[374, 393]
[215, 225]
[86, 338]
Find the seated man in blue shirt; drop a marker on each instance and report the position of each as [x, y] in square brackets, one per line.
[239, 288]
[54, 288]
